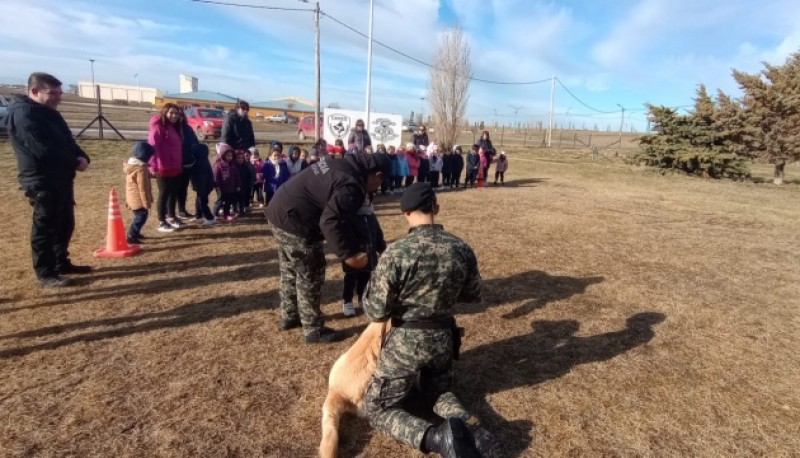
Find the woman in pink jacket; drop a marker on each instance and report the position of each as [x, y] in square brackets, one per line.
[166, 164]
[413, 163]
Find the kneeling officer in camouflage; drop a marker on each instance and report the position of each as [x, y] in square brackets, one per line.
[416, 283]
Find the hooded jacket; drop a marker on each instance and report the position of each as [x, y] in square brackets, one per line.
[138, 189]
[413, 162]
[226, 176]
[273, 180]
[435, 162]
[202, 174]
[447, 163]
[237, 131]
[458, 163]
[402, 164]
[502, 163]
[47, 155]
[167, 140]
[322, 201]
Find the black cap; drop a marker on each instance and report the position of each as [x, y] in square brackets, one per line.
[418, 196]
[143, 151]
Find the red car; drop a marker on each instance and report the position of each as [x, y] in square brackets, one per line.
[305, 128]
[207, 122]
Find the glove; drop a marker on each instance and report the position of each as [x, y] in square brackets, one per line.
[357, 261]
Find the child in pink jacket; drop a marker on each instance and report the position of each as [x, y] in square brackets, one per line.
[413, 163]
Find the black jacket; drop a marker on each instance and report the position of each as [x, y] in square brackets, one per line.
[189, 140]
[447, 164]
[369, 232]
[420, 139]
[202, 174]
[237, 131]
[46, 152]
[359, 140]
[458, 163]
[322, 201]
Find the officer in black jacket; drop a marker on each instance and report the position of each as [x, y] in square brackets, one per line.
[319, 203]
[47, 158]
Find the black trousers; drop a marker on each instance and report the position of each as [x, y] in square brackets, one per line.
[168, 188]
[52, 228]
[181, 194]
[433, 178]
[201, 205]
[355, 281]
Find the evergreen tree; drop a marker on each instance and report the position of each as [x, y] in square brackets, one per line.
[771, 113]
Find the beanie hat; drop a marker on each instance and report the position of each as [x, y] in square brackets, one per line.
[143, 151]
[418, 196]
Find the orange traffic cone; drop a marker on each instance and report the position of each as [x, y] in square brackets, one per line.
[116, 243]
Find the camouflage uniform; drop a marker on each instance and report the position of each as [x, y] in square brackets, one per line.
[419, 278]
[302, 266]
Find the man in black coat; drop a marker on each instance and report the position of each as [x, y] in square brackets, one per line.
[47, 158]
[319, 203]
[237, 130]
[420, 137]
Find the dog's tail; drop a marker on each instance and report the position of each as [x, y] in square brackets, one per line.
[335, 406]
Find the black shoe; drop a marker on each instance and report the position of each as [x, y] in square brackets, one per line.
[290, 323]
[451, 439]
[185, 215]
[70, 268]
[324, 335]
[485, 442]
[133, 240]
[55, 281]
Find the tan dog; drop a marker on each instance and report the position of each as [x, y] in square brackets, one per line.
[347, 383]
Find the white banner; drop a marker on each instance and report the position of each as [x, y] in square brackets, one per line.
[385, 128]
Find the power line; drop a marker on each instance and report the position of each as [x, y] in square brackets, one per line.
[581, 101]
[422, 62]
[247, 5]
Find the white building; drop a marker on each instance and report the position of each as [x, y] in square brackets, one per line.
[187, 84]
[110, 91]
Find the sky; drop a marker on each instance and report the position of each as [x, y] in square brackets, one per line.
[605, 55]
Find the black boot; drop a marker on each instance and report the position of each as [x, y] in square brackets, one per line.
[451, 439]
[485, 442]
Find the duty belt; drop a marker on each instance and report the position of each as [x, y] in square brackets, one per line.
[445, 323]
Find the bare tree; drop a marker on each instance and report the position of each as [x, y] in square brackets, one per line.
[449, 86]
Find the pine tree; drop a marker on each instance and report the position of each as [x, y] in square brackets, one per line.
[771, 113]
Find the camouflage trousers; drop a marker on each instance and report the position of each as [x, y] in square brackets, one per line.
[412, 361]
[302, 267]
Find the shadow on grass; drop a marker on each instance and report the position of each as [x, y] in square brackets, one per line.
[519, 183]
[535, 288]
[185, 315]
[254, 265]
[547, 353]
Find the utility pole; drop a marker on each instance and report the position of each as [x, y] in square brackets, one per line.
[369, 61]
[421, 110]
[516, 109]
[316, 72]
[138, 89]
[552, 102]
[621, 123]
[93, 85]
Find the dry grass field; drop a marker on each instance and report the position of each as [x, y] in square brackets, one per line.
[624, 313]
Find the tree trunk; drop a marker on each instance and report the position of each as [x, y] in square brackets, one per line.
[778, 177]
